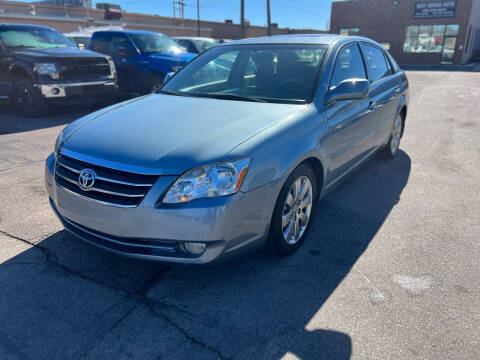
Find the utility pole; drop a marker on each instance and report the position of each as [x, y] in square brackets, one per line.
[242, 17]
[198, 17]
[178, 6]
[269, 25]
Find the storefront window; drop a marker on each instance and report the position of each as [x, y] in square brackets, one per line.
[427, 38]
[350, 31]
[452, 29]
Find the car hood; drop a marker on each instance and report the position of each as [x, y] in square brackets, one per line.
[166, 134]
[59, 53]
[173, 57]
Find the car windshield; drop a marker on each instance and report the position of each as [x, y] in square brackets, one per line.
[38, 38]
[155, 43]
[204, 45]
[284, 73]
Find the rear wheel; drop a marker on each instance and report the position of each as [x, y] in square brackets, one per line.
[393, 144]
[293, 211]
[28, 100]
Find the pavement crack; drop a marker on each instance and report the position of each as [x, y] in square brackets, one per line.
[151, 305]
[52, 259]
[147, 285]
[142, 292]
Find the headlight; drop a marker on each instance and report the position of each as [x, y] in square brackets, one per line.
[48, 69]
[220, 179]
[113, 70]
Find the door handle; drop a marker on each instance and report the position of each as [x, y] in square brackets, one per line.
[372, 105]
[397, 91]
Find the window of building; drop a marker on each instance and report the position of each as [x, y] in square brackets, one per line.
[350, 31]
[348, 65]
[376, 63]
[427, 38]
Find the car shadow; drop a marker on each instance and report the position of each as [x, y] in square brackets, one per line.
[11, 122]
[58, 295]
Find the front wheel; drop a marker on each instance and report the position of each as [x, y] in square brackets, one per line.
[28, 100]
[293, 211]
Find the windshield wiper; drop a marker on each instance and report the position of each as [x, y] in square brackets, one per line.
[228, 96]
[169, 92]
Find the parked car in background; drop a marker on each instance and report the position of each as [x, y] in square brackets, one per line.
[196, 45]
[80, 38]
[40, 66]
[142, 58]
[215, 164]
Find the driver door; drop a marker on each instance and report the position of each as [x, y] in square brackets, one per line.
[124, 54]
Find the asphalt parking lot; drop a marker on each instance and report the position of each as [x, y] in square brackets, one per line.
[390, 269]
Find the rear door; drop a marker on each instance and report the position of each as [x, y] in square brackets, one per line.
[351, 122]
[384, 91]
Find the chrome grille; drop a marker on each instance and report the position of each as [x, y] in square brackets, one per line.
[112, 187]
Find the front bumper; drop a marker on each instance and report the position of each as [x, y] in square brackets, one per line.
[78, 89]
[148, 231]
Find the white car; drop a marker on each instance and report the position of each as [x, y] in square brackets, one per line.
[196, 45]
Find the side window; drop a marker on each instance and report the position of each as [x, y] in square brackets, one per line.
[376, 62]
[348, 65]
[121, 43]
[393, 62]
[100, 43]
[188, 45]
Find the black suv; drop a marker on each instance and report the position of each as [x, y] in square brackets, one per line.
[39, 66]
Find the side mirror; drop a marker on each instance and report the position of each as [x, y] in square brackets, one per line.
[348, 89]
[168, 76]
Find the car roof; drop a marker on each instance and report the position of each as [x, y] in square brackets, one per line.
[128, 32]
[320, 39]
[77, 33]
[192, 38]
[25, 26]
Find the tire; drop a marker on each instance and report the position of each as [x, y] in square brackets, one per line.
[27, 100]
[391, 149]
[280, 242]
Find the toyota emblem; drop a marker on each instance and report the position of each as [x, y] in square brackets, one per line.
[86, 179]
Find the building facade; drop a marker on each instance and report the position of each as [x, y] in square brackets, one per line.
[415, 31]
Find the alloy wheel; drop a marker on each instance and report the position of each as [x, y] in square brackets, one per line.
[396, 134]
[24, 100]
[297, 210]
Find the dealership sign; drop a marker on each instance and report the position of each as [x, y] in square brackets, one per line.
[436, 9]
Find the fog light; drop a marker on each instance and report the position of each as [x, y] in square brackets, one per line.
[195, 248]
[55, 91]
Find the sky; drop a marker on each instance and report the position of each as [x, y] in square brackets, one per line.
[311, 14]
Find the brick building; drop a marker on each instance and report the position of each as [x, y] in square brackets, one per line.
[72, 18]
[415, 31]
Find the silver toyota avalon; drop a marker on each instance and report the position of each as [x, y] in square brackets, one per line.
[233, 152]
